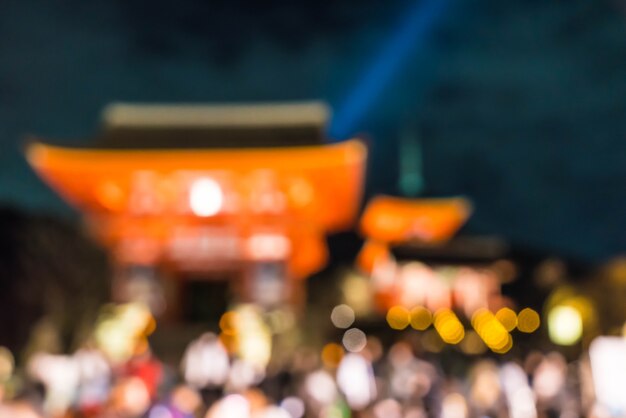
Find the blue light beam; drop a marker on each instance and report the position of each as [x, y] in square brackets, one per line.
[411, 35]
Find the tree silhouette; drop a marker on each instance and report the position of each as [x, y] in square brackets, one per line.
[48, 269]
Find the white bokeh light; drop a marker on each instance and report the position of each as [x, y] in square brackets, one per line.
[231, 406]
[205, 362]
[342, 316]
[321, 387]
[355, 378]
[294, 406]
[205, 197]
[354, 340]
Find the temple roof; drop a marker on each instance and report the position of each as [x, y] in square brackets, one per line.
[133, 126]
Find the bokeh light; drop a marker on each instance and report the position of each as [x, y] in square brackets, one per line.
[355, 378]
[374, 349]
[131, 397]
[332, 354]
[506, 347]
[518, 394]
[342, 316]
[448, 326]
[401, 355]
[205, 197]
[228, 322]
[421, 318]
[454, 406]
[356, 291]
[508, 318]
[388, 408]
[121, 329]
[320, 387]
[608, 364]
[398, 317]
[235, 406]
[294, 406]
[565, 325]
[186, 399]
[354, 340]
[528, 320]
[205, 362]
[160, 411]
[485, 384]
[492, 332]
[243, 375]
[246, 333]
[549, 376]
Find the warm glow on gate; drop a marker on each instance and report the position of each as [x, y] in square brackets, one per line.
[268, 246]
[147, 195]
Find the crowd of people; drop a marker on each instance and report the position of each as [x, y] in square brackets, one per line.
[214, 380]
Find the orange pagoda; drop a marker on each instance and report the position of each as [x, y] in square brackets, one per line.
[245, 193]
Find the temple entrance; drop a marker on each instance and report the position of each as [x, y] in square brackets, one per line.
[205, 298]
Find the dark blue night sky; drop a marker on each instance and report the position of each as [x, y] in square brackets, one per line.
[520, 105]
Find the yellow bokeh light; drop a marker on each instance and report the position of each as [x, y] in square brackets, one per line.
[495, 336]
[569, 315]
[253, 336]
[565, 325]
[121, 330]
[508, 318]
[528, 320]
[448, 326]
[357, 294]
[421, 318]
[479, 317]
[398, 317]
[507, 346]
[332, 354]
[492, 332]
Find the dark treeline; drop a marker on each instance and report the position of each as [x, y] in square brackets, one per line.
[52, 274]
